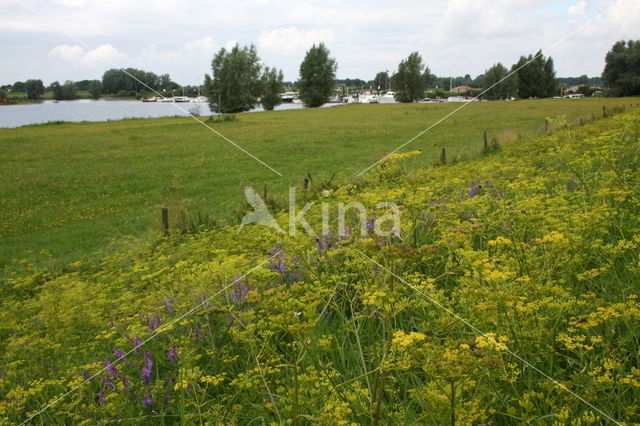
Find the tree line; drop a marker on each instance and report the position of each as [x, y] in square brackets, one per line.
[239, 81]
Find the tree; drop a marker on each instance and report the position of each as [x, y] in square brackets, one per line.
[235, 85]
[536, 76]
[622, 69]
[411, 80]
[130, 80]
[65, 92]
[317, 76]
[95, 88]
[34, 89]
[381, 81]
[497, 85]
[18, 87]
[272, 88]
[583, 80]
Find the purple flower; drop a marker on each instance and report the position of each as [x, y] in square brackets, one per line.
[118, 354]
[324, 242]
[370, 225]
[239, 294]
[168, 305]
[148, 402]
[172, 354]
[474, 189]
[111, 369]
[278, 265]
[147, 367]
[137, 343]
[154, 322]
[101, 397]
[107, 383]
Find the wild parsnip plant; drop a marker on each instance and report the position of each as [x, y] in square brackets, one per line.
[537, 245]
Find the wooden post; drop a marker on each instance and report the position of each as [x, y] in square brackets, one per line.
[165, 221]
[443, 156]
[604, 111]
[486, 142]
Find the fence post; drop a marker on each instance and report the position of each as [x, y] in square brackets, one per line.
[165, 221]
[443, 156]
[604, 111]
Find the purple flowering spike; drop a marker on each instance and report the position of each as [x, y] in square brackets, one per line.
[107, 382]
[370, 225]
[474, 189]
[137, 343]
[154, 322]
[239, 294]
[168, 305]
[148, 402]
[118, 353]
[147, 367]
[111, 369]
[172, 354]
[101, 397]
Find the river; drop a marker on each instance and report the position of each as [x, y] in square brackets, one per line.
[102, 110]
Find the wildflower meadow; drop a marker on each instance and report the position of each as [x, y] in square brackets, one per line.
[509, 295]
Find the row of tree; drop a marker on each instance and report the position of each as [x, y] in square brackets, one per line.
[532, 76]
[239, 80]
[131, 81]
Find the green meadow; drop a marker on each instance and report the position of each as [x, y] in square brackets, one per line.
[69, 189]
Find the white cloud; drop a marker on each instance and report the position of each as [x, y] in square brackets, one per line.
[291, 40]
[103, 56]
[578, 10]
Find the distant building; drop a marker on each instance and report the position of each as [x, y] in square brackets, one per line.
[464, 89]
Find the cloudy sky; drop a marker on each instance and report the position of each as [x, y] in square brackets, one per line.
[79, 39]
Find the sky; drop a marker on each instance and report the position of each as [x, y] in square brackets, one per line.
[80, 39]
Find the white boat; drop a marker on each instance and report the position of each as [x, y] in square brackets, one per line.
[180, 99]
[163, 99]
[388, 98]
[199, 100]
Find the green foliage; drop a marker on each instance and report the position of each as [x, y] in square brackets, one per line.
[94, 88]
[64, 92]
[235, 85]
[34, 89]
[317, 76]
[133, 80]
[18, 87]
[272, 88]
[622, 69]
[494, 85]
[536, 79]
[411, 79]
[382, 81]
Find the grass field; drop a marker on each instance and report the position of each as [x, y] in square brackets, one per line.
[67, 189]
[509, 295]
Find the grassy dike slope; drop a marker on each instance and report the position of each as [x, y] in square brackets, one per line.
[544, 259]
[68, 189]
